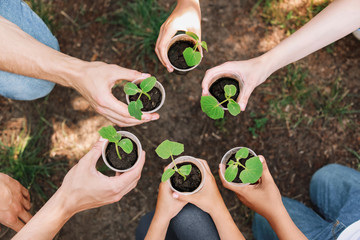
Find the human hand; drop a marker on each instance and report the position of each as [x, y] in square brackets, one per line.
[187, 17]
[208, 197]
[167, 207]
[94, 83]
[14, 203]
[84, 187]
[263, 197]
[252, 72]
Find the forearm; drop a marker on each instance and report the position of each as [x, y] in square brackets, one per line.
[284, 227]
[158, 228]
[224, 223]
[336, 21]
[24, 55]
[48, 221]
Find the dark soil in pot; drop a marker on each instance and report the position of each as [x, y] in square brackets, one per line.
[126, 161]
[242, 161]
[217, 89]
[148, 104]
[192, 181]
[175, 53]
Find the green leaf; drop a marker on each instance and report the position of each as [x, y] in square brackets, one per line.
[204, 45]
[134, 109]
[253, 170]
[192, 57]
[167, 174]
[233, 107]
[242, 153]
[230, 90]
[148, 84]
[193, 35]
[126, 145]
[168, 148]
[209, 105]
[185, 169]
[131, 89]
[231, 172]
[110, 134]
[231, 162]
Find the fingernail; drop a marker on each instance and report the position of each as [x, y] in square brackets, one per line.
[101, 139]
[204, 92]
[242, 106]
[155, 117]
[220, 165]
[262, 160]
[145, 75]
[175, 195]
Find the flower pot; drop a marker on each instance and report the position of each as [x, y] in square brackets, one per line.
[113, 162]
[218, 82]
[175, 51]
[200, 167]
[157, 97]
[231, 155]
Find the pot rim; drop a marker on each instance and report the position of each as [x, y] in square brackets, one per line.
[176, 38]
[139, 149]
[226, 157]
[159, 86]
[195, 161]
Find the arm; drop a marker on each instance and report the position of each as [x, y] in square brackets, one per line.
[337, 20]
[24, 55]
[83, 188]
[14, 203]
[186, 17]
[273, 210]
[209, 200]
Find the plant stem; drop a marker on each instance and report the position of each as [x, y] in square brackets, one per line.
[117, 150]
[222, 102]
[146, 94]
[240, 164]
[176, 168]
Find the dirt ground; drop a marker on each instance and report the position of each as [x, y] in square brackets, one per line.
[293, 155]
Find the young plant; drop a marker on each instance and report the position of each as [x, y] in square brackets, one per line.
[170, 149]
[110, 134]
[130, 89]
[193, 57]
[212, 108]
[252, 170]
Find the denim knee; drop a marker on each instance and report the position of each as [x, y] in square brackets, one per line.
[325, 174]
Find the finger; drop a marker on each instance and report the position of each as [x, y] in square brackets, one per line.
[91, 158]
[26, 203]
[25, 216]
[157, 46]
[25, 193]
[162, 48]
[120, 73]
[206, 165]
[244, 96]
[131, 176]
[16, 226]
[209, 75]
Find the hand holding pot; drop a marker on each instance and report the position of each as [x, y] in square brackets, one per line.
[14, 203]
[252, 73]
[186, 17]
[208, 197]
[263, 197]
[86, 188]
[95, 85]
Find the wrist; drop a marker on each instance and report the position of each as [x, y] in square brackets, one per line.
[63, 204]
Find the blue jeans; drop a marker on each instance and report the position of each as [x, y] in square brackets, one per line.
[335, 193]
[15, 86]
[190, 223]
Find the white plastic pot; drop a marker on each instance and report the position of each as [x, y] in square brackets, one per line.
[139, 150]
[196, 162]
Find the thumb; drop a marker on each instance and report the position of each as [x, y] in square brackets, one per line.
[130, 75]
[95, 153]
[244, 97]
[180, 197]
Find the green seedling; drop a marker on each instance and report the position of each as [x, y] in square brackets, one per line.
[212, 108]
[252, 170]
[130, 89]
[193, 57]
[170, 149]
[110, 134]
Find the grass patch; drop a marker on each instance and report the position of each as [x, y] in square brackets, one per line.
[259, 124]
[23, 159]
[44, 10]
[139, 23]
[296, 101]
[287, 15]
